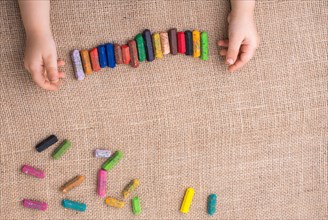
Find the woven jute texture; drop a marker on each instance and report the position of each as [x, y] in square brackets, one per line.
[257, 138]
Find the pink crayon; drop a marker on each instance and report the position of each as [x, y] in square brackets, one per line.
[33, 172]
[35, 204]
[101, 189]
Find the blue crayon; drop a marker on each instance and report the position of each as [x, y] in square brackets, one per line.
[69, 204]
[211, 204]
[148, 45]
[110, 55]
[102, 56]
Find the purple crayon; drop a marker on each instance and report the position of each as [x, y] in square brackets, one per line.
[33, 172]
[77, 63]
[42, 206]
[102, 153]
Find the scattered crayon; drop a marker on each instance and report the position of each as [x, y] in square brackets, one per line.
[61, 150]
[136, 207]
[211, 204]
[101, 186]
[32, 204]
[112, 161]
[114, 202]
[76, 181]
[102, 153]
[52, 139]
[33, 172]
[187, 200]
[69, 204]
[133, 184]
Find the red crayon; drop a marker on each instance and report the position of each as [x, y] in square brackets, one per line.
[94, 59]
[118, 54]
[181, 43]
[126, 54]
[133, 53]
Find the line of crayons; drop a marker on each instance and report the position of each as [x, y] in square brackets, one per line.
[145, 46]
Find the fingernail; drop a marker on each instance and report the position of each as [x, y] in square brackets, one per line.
[229, 61]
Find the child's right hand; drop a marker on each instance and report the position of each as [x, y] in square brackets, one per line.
[41, 61]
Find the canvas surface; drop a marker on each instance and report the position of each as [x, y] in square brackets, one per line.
[257, 138]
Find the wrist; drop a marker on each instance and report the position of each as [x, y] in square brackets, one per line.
[242, 14]
[38, 33]
[242, 9]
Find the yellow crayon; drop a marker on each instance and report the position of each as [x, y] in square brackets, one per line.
[86, 61]
[196, 43]
[130, 188]
[157, 46]
[187, 200]
[114, 202]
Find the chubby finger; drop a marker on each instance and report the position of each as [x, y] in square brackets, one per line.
[51, 67]
[39, 79]
[223, 43]
[61, 75]
[223, 52]
[233, 49]
[244, 58]
[38, 74]
[60, 63]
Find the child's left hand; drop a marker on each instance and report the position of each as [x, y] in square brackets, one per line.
[242, 43]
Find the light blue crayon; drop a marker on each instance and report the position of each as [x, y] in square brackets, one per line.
[69, 204]
[211, 204]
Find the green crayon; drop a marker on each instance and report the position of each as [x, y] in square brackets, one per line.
[112, 161]
[204, 45]
[136, 208]
[63, 147]
[141, 47]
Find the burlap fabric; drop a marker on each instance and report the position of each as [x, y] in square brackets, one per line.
[256, 138]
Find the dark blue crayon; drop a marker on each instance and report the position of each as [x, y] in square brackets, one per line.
[148, 45]
[102, 56]
[110, 55]
[189, 45]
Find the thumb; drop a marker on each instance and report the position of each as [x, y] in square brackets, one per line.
[233, 50]
[52, 69]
